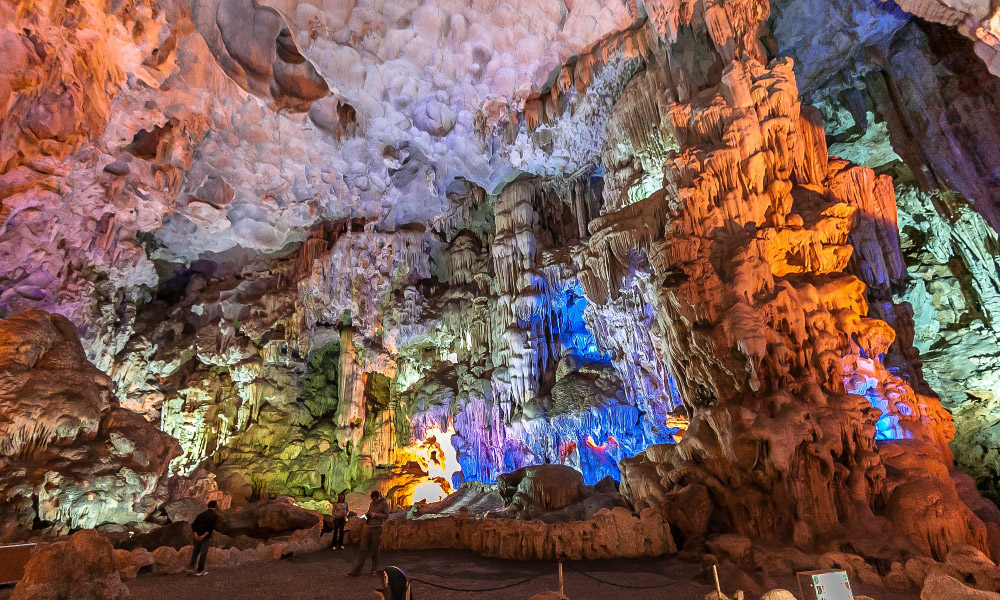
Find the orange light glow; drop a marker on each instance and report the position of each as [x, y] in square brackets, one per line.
[680, 423]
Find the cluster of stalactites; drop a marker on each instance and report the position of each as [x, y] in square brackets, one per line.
[627, 327]
[358, 273]
[733, 26]
[635, 144]
[501, 118]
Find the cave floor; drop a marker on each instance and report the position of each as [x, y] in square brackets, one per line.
[321, 576]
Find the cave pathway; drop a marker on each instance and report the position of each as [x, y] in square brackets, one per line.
[321, 576]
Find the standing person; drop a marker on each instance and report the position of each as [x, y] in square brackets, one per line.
[202, 527]
[371, 537]
[339, 520]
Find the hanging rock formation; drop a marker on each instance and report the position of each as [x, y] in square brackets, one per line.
[977, 20]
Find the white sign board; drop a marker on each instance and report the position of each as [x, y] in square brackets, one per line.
[825, 585]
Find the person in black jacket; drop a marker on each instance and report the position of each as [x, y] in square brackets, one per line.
[371, 536]
[202, 527]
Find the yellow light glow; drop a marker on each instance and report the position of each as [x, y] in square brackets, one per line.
[428, 491]
[438, 459]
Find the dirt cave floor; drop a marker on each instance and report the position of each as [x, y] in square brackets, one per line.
[322, 576]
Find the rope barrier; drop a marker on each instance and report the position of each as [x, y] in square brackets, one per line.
[533, 577]
[492, 589]
[621, 585]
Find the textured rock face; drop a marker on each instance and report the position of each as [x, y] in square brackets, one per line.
[977, 20]
[942, 586]
[340, 247]
[70, 457]
[81, 567]
[254, 46]
[946, 216]
[783, 411]
[610, 533]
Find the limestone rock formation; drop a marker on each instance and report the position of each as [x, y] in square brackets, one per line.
[266, 520]
[946, 215]
[610, 533]
[691, 245]
[764, 395]
[83, 566]
[977, 20]
[554, 493]
[255, 47]
[940, 587]
[541, 488]
[783, 368]
[70, 456]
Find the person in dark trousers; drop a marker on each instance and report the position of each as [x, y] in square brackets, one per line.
[371, 537]
[202, 527]
[339, 520]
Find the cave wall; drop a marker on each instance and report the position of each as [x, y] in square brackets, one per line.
[406, 247]
[946, 202]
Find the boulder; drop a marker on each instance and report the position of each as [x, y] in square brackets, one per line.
[585, 509]
[533, 491]
[943, 587]
[81, 567]
[778, 594]
[175, 535]
[130, 563]
[974, 566]
[168, 561]
[919, 568]
[471, 501]
[267, 520]
[896, 577]
[184, 509]
[732, 546]
[855, 566]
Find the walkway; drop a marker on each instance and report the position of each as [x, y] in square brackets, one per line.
[320, 576]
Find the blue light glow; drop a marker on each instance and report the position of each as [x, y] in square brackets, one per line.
[591, 437]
